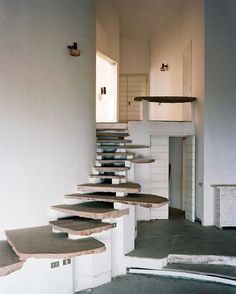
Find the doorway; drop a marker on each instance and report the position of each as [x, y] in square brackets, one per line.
[173, 174]
[106, 89]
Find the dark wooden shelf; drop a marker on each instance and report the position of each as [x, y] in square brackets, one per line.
[166, 99]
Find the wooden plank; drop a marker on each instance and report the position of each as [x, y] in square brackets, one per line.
[111, 168]
[142, 160]
[41, 242]
[112, 126]
[115, 141]
[9, 261]
[107, 176]
[166, 99]
[115, 154]
[122, 147]
[94, 210]
[114, 134]
[122, 187]
[144, 200]
[80, 226]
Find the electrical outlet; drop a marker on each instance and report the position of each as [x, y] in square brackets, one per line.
[55, 264]
[66, 261]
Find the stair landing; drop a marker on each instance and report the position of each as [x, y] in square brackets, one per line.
[41, 242]
[9, 261]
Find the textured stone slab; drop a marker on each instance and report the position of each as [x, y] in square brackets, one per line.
[107, 176]
[94, 210]
[115, 153]
[9, 261]
[166, 99]
[114, 141]
[123, 187]
[41, 242]
[142, 160]
[144, 200]
[112, 126]
[80, 226]
[111, 134]
[124, 147]
[111, 168]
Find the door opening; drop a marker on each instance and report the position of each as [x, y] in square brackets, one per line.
[106, 89]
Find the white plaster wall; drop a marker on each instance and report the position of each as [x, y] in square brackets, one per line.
[166, 47]
[134, 56]
[107, 29]
[220, 102]
[47, 108]
[193, 29]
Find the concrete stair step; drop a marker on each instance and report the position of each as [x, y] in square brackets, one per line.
[123, 187]
[111, 134]
[144, 200]
[141, 160]
[114, 154]
[123, 147]
[112, 126]
[9, 261]
[41, 242]
[107, 176]
[113, 161]
[80, 226]
[113, 141]
[111, 168]
[93, 210]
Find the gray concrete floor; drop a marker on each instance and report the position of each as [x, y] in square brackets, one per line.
[159, 238]
[145, 284]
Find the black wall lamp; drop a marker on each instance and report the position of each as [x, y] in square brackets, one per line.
[164, 67]
[73, 49]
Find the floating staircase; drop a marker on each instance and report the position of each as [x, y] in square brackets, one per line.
[98, 207]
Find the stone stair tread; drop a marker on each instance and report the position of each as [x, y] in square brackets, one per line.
[142, 160]
[112, 160]
[106, 176]
[9, 261]
[115, 153]
[93, 210]
[144, 200]
[111, 134]
[114, 141]
[112, 126]
[111, 168]
[225, 271]
[41, 242]
[122, 187]
[122, 147]
[80, 226]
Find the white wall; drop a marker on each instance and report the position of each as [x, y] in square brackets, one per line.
[166, 47]
[47, 106]
[134, 56]
[107, 29]
[193, 29]
[220, 102]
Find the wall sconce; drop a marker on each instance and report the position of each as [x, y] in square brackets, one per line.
[73, 49]
[164, 67]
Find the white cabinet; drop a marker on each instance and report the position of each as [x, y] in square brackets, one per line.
[224, 205]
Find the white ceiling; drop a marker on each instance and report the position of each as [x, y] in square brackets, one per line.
[140, 18]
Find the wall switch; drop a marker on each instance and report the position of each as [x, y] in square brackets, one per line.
[66, 261]
[55, 264]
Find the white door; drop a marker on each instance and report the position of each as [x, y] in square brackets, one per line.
[131, 86]
[189, 177]
[160, 174]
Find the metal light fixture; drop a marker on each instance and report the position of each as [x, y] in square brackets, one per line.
[164, 67]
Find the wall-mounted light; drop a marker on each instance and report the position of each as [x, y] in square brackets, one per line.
[164, 67]
[73, 49]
